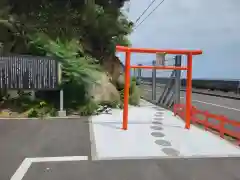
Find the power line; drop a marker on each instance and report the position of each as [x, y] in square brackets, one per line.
[145, 11]
[148, 14]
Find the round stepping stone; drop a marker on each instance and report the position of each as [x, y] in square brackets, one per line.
[157, 134]
[158, 110]
[170, 152]
[157, 122]
[156, 128]
[158, 118]
[163, 142]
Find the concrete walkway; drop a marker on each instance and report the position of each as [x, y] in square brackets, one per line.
[153, 132]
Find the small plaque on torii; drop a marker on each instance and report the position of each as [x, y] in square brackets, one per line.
[160, 59]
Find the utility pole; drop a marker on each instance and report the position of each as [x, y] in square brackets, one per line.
[178, 62]
[154, 76]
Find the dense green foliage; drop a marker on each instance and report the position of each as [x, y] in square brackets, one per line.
[134, 93]
[98, 27]
[134, 98]
[22, 104]
[79, 34]
[79, 70]
[42, 110]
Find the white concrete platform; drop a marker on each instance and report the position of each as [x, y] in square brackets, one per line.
[153, 133]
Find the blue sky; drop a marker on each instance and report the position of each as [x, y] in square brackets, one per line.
[210, 25]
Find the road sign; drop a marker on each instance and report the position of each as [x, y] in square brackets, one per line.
[29, 72]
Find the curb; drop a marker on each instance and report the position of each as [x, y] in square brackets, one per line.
[94, 154]
[48, 118]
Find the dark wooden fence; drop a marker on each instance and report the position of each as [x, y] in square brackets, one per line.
[28, 72]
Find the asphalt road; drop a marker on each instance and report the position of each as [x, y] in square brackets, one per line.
[20, 139]
[165, 169]
[217, 105]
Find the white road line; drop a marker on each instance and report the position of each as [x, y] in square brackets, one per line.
[23, 168]
[59, 159]
[94, 154]
[217, 105]
[226, 107]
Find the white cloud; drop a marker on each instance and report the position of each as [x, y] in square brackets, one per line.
[210, 25]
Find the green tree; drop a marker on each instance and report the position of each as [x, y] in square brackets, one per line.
[79, 33]
[99, 26]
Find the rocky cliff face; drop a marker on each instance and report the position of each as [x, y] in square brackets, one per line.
[113, 80]
[113, 67]
[104, 90]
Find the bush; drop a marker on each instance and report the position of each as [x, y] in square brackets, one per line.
[134, 94]
[134, 98]
[42, 110]
[89, 108]
[112, 104]
[32, 113]
[79, 70]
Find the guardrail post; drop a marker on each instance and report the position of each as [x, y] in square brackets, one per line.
[154, 74]
[178, 61]
[135, 72]
[166, 90]
[139, 75]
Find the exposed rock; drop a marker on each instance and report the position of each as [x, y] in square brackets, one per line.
[120, 82]
[104, 90]
[113, 66]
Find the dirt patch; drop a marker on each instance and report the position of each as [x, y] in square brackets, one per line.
[8, 113]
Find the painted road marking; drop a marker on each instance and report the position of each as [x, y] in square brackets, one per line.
[230, 108]
[59, 159]
[226, 107]
[23, 168]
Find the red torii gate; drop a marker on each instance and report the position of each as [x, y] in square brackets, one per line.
[128, 52]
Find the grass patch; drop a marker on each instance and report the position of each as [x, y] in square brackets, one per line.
[23, 107]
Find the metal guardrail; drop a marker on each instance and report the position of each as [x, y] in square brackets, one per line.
[164, 98]
[220, 85]
[171, 92]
